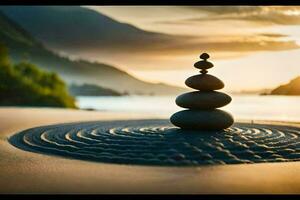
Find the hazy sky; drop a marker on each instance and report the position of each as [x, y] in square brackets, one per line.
[252, 47]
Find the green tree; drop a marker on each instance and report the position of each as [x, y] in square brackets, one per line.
[24, 84]
[4, 59]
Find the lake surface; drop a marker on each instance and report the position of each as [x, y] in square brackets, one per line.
[243, 107]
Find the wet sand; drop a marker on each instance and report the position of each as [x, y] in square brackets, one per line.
[27, 172]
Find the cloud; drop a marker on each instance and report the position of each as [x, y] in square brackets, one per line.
[280, 15]
[273, 35]
[240, 45]
[178, 45]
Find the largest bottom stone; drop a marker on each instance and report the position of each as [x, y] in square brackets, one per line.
[202, 119]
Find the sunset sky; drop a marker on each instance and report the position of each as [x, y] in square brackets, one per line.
[252, 47]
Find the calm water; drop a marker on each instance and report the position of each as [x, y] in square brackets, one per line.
[248, 107]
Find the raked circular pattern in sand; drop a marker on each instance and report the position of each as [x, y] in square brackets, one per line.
[157, 142]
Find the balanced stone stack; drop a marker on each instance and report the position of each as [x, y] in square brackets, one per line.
[202, 112]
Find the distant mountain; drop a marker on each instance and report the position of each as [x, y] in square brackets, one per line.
[254, 92]
[91, 90]
[22, 46]
[292, 88]
[75, 28]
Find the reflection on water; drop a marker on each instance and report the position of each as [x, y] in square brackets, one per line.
[249, 107]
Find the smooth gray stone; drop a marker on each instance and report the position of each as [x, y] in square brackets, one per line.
[204, 82]
[203, 64]
[202, 119]
[204, 56]
[203, 100]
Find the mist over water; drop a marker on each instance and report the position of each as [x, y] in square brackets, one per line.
[243, 107]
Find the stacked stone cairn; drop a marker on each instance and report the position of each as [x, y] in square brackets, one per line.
[202, 112]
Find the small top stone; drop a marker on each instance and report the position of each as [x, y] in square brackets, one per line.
[204, 56]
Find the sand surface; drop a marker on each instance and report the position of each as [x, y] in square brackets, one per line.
[28, 172]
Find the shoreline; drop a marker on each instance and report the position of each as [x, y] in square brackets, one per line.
[27, 172]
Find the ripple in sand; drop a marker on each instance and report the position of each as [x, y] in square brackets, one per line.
[156, 142]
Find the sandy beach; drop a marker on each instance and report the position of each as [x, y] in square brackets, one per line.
[28, 172]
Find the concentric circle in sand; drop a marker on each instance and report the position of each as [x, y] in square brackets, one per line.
[157, 142]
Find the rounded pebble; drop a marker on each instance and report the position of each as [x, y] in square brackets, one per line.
[202, 64]
[202, 119]
[204, 82]
[203, 100]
